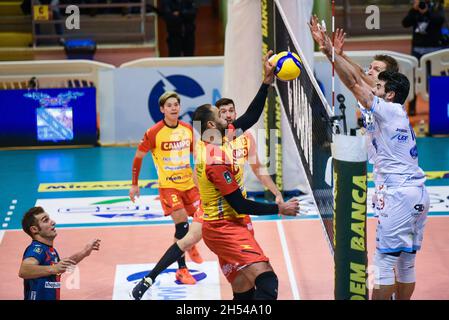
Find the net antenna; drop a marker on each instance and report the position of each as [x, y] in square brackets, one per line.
[333, 56]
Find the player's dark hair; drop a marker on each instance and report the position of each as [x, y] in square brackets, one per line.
[396, 82]
[203, 114]
[391, 63]
[29, 219]
[224, 102]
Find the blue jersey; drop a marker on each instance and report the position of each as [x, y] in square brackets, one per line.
[45, 288]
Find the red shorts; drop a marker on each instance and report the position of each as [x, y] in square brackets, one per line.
[173, 199]
[234, 245]
[198, 217]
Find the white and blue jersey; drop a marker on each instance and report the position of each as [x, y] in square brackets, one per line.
[402, 201]
[44, 288]
[396, 156]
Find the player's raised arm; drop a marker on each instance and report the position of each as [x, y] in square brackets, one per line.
[349, 76]
[252, 114]
[86, 251]
[320, 37]
[260, 170]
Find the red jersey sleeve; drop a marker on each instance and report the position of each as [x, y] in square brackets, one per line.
[148, 141]
[223, 179]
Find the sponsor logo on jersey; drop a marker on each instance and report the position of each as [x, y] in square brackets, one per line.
[178, 178]
[38, 250]
[175, 145]
[240, 153]
[414, 152]
[177, 168]
[52, 285]
[402, 138]
[227, 176]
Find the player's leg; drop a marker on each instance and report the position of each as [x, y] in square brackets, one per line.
[242, 288]
[171, 255]
[384, 280]
[173, 205]
[394, 225]
[192, 237]
[192, 204]
[182, 228]
[406, 274]
[261, 274]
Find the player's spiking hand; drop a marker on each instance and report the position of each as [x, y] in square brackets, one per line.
[268, 68]
[92, 245]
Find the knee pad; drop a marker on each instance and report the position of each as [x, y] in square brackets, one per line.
[384, 272]
[266, 286]
[181, 230]
[247, 295]
[406, 268]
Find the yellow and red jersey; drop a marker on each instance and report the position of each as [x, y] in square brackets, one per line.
[220, 172]
[170, 148]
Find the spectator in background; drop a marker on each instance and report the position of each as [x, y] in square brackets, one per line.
[427, 19]
[179, 16]
[55, 15]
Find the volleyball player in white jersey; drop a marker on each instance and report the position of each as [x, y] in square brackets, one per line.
[380, 63]
[403, 201]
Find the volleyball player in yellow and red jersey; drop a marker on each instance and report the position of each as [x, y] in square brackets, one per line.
[171, 143]
[220, 182]
[240, 150]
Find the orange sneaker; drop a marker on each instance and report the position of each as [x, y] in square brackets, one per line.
[183, 275]
[195, 255]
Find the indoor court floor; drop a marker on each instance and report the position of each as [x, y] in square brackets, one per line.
[85, 190]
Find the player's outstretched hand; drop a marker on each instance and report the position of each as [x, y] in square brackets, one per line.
[134, 192]
[289, 208]
[315, 30]
[92, 245]
[339, 41]
[268, 68]
[64, 265]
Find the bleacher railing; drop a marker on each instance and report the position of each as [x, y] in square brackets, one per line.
[130, 25]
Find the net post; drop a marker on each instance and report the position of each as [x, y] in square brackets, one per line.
[350, 195]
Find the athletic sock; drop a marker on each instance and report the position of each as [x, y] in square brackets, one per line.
[170, 256]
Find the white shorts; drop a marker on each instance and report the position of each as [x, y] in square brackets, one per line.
[402, 215]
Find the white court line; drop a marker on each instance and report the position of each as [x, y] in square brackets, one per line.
[2, 233]
[288, 261]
